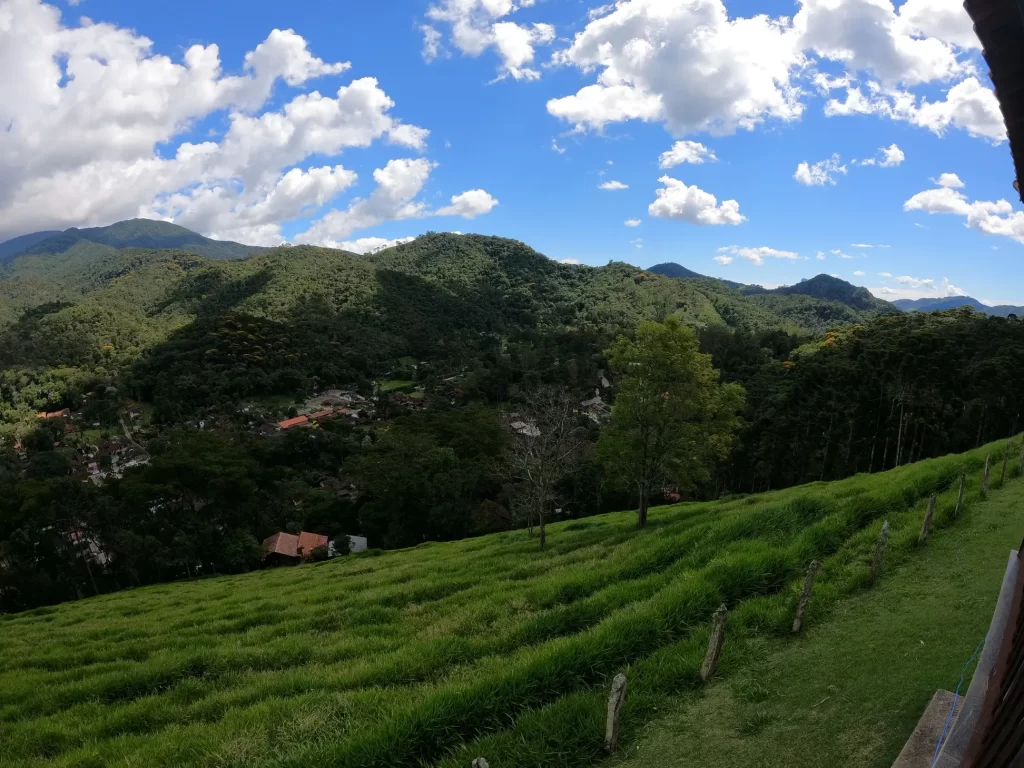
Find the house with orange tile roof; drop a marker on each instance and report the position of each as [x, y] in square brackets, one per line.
[291, 549]
[298, 421]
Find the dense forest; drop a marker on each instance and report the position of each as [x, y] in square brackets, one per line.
[816, 381]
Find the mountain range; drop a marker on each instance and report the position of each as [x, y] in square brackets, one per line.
[134, 233]
[952, 302]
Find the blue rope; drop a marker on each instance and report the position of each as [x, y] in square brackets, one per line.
[956, 696]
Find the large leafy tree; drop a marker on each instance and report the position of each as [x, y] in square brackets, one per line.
[672, 420]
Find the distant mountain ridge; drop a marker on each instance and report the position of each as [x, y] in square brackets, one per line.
[834, 289]
[133, 233]
[18, 245]
[952, 302]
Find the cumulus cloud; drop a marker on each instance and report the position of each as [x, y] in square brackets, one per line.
[652, 66]
[365, 245]
[944, 20]
[819, 173]
[685, 152]
[638, 243]
[869, 36]
[90, 110]
[632, 222]
[885, 274]
[968, 105]
[682, 203]
[612, 185]
[909, 287]
[723, 259]
[991, 217]
[469, 205]
[840, 254]
[891, 157]
[859, 273]
[478, 25]
[755, 255]
[556, 148]
[820, 255]
[399, 183]
[739, 72]
[570, 261]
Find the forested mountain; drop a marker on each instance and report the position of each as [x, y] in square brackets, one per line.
[134, 233]
[834, 289]
[671, 269]
[953, 302]
[11, 248]
[214, 349]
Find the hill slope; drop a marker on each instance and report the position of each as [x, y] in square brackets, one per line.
[833, 289]
[952, 302]
[11, 248]
[136, 233]
[448, 651]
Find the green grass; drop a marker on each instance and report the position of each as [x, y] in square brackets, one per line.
[444, 652]
[851, 692]
[395, 385]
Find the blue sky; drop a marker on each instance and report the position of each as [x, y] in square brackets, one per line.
[530, 170]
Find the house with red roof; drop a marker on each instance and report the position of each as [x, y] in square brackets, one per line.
[291, 549]
[298, 421]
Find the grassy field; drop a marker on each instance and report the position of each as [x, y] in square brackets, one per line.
[851, 692]
[436, 655]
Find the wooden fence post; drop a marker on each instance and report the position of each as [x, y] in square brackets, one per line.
[883, 540]
[805, 596]
[985, 475]
[926, 526]
[707, 669]
[480, 763]
[611, 728]
[1006, 456]
[960, 497]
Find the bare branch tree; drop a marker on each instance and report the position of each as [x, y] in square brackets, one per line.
[547, 441]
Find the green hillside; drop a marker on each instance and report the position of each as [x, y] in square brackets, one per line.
[134, 233]
[446, 652]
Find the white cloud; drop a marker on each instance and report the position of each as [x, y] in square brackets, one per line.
[682, 203]
[394, 199]
[945, 20]
[840, 254]
[685, 152]
[638, 243]
[685, 63]
[819, 173]
[950, 180]
[891, 157]
[556, 148]
[820, 255]
[991, 217]
[570, 261]
[632, 222]
[859, 273]
[918, 288]
[723, 259]
[861, 245]
[432, 48]
[885, 274]
[869, 36]
[968, 105]
[756, 255]
[477, 25]
[366, 245]
[613, 185]
[469, 205]
[89, 111]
